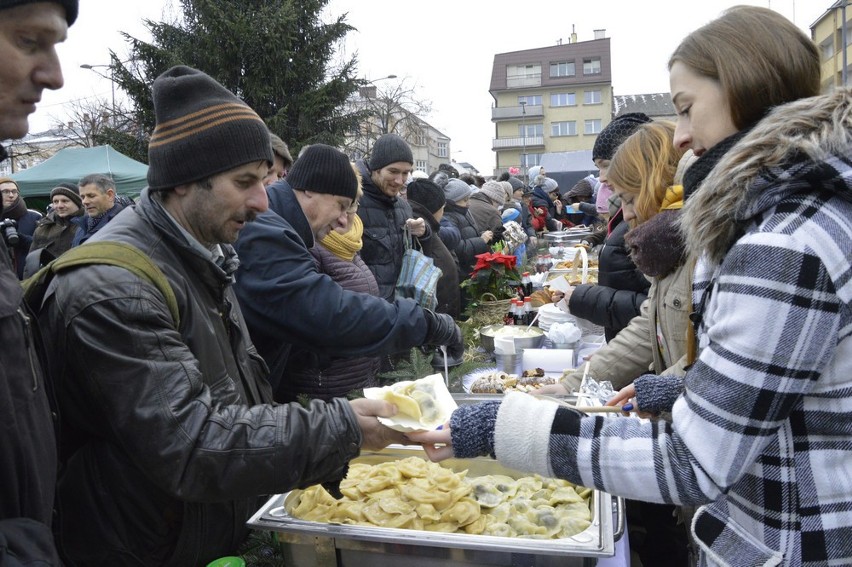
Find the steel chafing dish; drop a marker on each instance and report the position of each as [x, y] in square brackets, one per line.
[332, 545]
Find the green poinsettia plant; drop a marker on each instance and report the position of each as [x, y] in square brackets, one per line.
[494, 273]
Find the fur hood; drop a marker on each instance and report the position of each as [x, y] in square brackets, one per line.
[799, 147]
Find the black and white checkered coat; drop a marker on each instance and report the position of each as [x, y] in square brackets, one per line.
[762, 436]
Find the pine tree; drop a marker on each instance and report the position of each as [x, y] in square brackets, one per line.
[277, 55]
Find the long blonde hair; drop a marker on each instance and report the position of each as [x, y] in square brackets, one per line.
[645, 165]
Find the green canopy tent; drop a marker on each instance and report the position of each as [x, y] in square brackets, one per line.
[72, 164]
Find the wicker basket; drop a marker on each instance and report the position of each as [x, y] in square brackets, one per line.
[492, 310]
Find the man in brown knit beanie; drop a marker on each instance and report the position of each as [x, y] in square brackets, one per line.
[175, 436]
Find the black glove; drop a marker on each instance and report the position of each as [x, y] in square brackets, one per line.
[440, 329]
[455, 353]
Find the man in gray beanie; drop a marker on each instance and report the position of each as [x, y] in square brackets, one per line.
[175, 434]
[385, 214]
[28, 452]
[289, 302]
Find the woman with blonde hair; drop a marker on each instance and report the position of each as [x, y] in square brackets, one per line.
[642, 174]
[760, 436]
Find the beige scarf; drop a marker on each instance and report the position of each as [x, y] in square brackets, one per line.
[345, 246]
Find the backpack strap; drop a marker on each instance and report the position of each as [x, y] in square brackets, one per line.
[118, 254]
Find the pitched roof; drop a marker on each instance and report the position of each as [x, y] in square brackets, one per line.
[655, 105]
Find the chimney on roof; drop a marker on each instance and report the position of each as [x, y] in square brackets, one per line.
[573, 34]
[559, 41]
[600, 34]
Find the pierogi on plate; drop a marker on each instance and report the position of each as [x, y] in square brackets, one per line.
[422, 404]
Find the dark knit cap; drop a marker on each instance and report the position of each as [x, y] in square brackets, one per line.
[323, 169]
[427, 193]
[388, 149]
[616, 132]
[69, 5]
[582, 188]
[515, 183]
[69, 190]
[202, 129]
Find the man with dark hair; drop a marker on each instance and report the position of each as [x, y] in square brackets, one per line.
[17, 216]
[28, 456]
[287, 301]
[97, 192]
[384, 214]
[170, 435]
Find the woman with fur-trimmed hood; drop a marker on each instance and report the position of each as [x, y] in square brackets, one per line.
[760, 436]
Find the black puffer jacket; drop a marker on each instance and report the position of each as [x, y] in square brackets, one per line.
[305, 374]
[384, 218]
[169, 439]
[471, 242]
[448, 286]
[621, 288]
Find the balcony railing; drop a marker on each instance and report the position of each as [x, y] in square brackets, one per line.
[518, 142]
[517, 112]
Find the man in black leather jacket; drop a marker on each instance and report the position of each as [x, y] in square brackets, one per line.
[170, 437]
[28, 456]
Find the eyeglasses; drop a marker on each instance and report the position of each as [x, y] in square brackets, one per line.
[10, 192]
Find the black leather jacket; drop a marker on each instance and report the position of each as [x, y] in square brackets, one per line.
[169, 438]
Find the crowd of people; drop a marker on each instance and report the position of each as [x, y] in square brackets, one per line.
[136, 434]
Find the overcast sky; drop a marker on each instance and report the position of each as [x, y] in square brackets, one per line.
[446, 48]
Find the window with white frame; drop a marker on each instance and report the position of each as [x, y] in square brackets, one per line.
[530, 160]
[531, 130]
[442, 149]
[562, 69]
[592, 97]
[592, 66]
[565, 128]
[530, 100]
[563, 99]
[421, 165]
[593, 126]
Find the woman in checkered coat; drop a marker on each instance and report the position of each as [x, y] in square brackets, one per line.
[761, 435]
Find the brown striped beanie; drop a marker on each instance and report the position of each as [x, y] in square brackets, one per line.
[202, 129]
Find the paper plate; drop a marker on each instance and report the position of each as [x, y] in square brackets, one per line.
[407, 424]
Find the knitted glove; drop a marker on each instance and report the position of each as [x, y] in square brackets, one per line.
[656, 394]
[472, 428]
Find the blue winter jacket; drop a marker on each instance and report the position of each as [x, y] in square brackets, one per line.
[287, 301]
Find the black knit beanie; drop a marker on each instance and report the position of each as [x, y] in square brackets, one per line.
[427, 193]
[515, 183]
[69, 190]
[323, 169]
[69, 5]
[388, 149]
[616, 132]
[202, 129]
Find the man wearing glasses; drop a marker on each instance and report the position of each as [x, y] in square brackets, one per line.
[287, 301]
[17, 220]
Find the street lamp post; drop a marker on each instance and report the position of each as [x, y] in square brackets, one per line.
[111, 79]
[523, 104]
[371, 94]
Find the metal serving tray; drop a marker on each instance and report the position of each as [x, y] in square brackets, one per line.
[333, 545]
